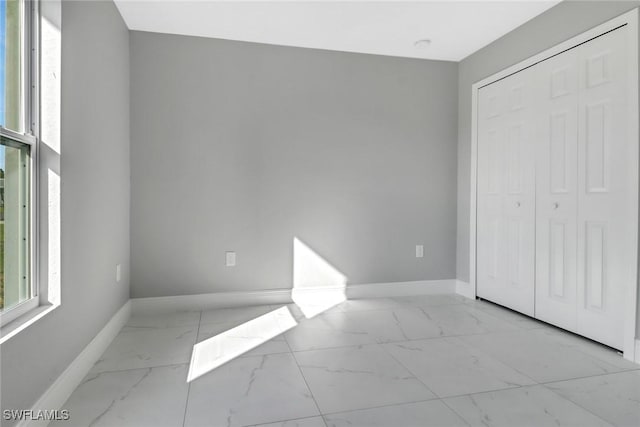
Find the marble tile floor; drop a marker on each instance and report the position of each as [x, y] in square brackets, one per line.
[437, 360]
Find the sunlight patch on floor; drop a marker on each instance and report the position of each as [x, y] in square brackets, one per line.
[218, 350]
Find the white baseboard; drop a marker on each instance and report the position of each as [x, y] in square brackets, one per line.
[401, 289]
[284, 296]
[58, 393]
[210, 301]
[636, 355]
[464, 289]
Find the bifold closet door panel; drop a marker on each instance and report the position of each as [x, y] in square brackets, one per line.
[605, 252]
[556, 189]
[506, 192]
[490, 196]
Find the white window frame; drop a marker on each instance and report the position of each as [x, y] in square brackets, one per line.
[30, 105]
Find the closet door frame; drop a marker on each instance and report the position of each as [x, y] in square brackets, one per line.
[629, 21]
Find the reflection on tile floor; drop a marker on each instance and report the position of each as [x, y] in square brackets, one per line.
[432, 360]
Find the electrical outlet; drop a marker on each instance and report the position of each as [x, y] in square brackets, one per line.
[118, 273]
[419, 251]
[230, 259]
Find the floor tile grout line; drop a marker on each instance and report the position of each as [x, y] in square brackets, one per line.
[186, 402]
[591, 357]
[114, 371]
[545, 383]
[514, 388]
[129, 329]
[283, 421]
[388, 405]
[169, 365]
[577, 404]
[464, 420]
[512, 323]
[404, 306]
[408, 370]
[500, 361]
[271, 307]
[494, 391]
[442, 398]
[498, 390]
[315, 402]
[404, 341]
[465, 394]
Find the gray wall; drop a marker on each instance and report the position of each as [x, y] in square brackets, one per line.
[240, 146]
[559, 23]
[95, 202]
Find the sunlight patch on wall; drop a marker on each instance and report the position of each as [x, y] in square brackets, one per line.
[50, 65]
[49, 151]
[317, 285]
[53, 215]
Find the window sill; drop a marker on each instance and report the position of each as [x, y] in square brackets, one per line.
[19, 324]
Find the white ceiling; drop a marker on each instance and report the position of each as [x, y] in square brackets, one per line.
[456, 28]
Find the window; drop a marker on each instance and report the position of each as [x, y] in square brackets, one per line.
[17, 152]
[15, 227]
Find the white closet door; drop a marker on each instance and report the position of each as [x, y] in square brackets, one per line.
[490, 193]
[506, 192]
[556, 189]
[604, 247]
